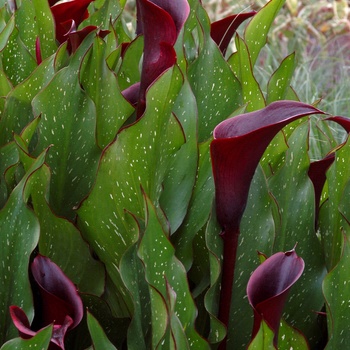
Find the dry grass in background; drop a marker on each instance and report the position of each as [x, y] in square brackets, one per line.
[319, 32]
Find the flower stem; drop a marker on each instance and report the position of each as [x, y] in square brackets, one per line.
[230, 239]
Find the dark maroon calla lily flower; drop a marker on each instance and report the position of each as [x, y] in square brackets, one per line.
[160, 22]
[66, 12]
[59, 304]
[223, 30]
[268, 288]
[238, 145]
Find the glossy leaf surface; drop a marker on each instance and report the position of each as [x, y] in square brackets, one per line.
[19, 237]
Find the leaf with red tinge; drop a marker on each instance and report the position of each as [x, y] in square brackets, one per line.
[223, 30]
[268, 288]
[160, 29]
[235, 160]
[59, 303]
[64, 12]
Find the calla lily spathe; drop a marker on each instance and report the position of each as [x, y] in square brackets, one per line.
[58, 303]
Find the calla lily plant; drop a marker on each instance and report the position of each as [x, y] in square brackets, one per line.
[142, 166]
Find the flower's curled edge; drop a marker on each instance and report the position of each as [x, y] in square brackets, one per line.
[223, 30]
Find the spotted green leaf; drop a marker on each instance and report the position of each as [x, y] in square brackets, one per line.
[140, 156]
[199, 207]
[167, 279]
[263, 339]
[280, 81]
[101, 18]
[6, 31]
[26, 24]
[8, 158]
[45, 27]
[289, 337]
[251, 91]
[18, 104]
[19, 230]
[255, 34]
[15, 50]
[129, 72]
[211, 299]
[336, 289]
[112, 110]
[179, 181]
[331, 220]
[133, 275]
[68, 118]
[218, 94]
[59, 235]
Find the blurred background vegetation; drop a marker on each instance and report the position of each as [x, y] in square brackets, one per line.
[319, 32]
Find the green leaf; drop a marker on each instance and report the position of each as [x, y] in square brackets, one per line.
[16, 51]
[129, 72]
[263, 339]
[114, 328]
[46, 27]
[331, 220]
[68, 118]
[199, 207]
[291, 338]
[18, 110]
[132, 273]
[218, 94]
[295, 223]
[280, 80]
[251, 92]
[107, 13]
[25, 18]
[255, 34]
[112, 110]
[336, 289]
[19, 230]
[40, 341]
[167, 279]
[6, 33]
[179, 181]
[5, 85]
[211, 299]
[257, 234]
[59, 235]
[98, 336]
[8, 158]
[140, 156]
